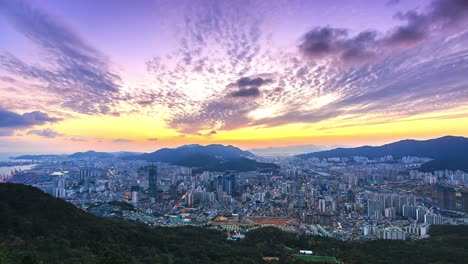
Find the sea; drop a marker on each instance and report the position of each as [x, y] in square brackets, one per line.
[7, 170]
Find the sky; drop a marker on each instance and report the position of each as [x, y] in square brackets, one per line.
[141, 75]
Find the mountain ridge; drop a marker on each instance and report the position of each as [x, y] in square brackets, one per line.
[443, 148]
[171, 155]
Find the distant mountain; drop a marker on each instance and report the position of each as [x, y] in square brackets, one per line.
[125, 153]
[171, 155]
[39, 157]
[448, 148]
[287, 150]
[79, 155]
[211, 163]
[211, 157]
[445, 164]
[91, 154]
[443, 147]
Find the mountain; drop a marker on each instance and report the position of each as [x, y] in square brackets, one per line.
[446, 148]
[171, 155]
[79, 155]
[210, 163]
[39, 157]
[36, 227]
[91, 154]
[287, 150]
[213, 157]
[443, 147]
[445, 164]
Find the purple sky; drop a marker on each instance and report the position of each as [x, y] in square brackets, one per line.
[222, 70]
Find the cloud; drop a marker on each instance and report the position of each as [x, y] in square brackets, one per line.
[218, 114]
[75, 73]
[121, 140]
[248, 92]
[442, 16]
[6, 132]
[252, 82]
[152, 139]
[47, 133]
[211, 84]
[323, 42]
[78, 139]
[14, 120]
[248, 86]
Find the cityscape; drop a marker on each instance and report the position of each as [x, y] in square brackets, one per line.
[233, 131]
[347, 198]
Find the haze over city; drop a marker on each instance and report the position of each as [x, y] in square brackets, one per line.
[142, 75]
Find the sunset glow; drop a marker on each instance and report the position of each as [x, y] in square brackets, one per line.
[142, 75]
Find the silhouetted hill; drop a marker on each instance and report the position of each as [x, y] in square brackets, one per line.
[91, 154]
[211, 157]
[38, 228]
[443, 147]
[447, 148]
[171, 155]
[38, 157]
[80, 155]
[211, 163]
[445, 164]
[35, 226]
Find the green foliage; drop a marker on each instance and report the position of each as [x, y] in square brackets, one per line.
[38, 228]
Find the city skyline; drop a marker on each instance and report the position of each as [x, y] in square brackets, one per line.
[119, 75]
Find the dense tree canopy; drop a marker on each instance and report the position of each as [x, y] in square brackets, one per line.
[38, 228]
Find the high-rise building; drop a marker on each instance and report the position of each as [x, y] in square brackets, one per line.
[261, 197]
[390, 212]
[433, 219]
[392, 233]
[373, 206]
[322, 205]
[446, 198]
[135, 190]
[409, 211]
[417, 229]
[189, 199]
[153, 181]
[465, 201]
[351, 196]
[420, 214]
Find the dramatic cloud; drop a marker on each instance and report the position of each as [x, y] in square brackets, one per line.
[335, 42]
[14, 120]
[441, 16]
[207, 86]
[252, 82]
[248, 92]
[72, 71]
[47, 133]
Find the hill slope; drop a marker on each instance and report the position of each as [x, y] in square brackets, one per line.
[210, 163]
[213, 157]
[38, 228]
[171, 155]
[449, 148]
